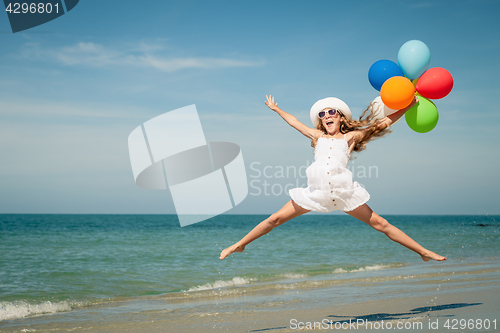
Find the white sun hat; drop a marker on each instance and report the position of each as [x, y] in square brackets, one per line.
[329, 102]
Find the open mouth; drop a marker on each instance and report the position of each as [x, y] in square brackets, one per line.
[329, 123]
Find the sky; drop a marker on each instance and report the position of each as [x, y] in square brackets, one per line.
[72, 90]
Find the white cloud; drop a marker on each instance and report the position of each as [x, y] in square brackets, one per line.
[15, 106]
[142, 55]
[174, 64]
[85, 54]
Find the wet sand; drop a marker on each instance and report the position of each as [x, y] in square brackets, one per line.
[449, 297]
[412, 314]
[422, 314]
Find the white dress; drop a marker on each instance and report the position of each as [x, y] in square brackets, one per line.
[329, 182]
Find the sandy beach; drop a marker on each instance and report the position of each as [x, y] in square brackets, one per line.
[418, 314]
[442, 313]
[463, 300]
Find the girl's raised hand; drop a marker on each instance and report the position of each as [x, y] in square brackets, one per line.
[270, 103]
[413, 102]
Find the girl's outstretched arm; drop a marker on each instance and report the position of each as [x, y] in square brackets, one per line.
[311, 133]
[392, 118]
[385, 122]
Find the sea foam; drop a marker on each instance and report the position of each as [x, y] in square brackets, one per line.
[21, 309]
[236, 281]
[362, 269]
[294, 275]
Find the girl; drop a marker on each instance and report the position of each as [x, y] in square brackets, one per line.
[330, 185]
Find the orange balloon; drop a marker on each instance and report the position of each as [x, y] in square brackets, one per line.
[397, 92]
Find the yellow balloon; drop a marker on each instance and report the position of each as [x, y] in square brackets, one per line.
[415, 83]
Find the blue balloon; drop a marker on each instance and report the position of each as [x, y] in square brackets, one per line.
[382, 70]
[414, 58]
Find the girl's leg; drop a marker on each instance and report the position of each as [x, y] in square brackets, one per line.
[365, 214]
[289, 211]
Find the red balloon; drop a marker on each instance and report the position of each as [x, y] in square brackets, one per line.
[435, 83]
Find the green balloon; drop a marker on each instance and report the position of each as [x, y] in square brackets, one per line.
[423, 116]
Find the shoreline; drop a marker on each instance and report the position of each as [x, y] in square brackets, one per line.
[115, 274]
[396, 296]
[422, 314]
[410, 313]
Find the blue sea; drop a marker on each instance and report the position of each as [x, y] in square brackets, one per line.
[71, 264]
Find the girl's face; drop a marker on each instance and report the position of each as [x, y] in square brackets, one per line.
[330, 120]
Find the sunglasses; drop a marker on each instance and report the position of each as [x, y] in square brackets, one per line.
[331, 112]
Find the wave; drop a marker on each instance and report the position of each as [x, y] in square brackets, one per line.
[263, 280]
[294, 275]
[21, 309]
[237, 285]
[365, 268]
[236, 281]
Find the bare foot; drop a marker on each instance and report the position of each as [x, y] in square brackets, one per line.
[231, 249]
[429, 255]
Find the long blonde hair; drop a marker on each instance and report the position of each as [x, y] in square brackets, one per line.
[365, 122]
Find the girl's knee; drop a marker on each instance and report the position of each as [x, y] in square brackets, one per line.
[278, 219]
[275, 220]
[379, 224]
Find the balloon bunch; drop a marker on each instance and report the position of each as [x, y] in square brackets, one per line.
[399, 83]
